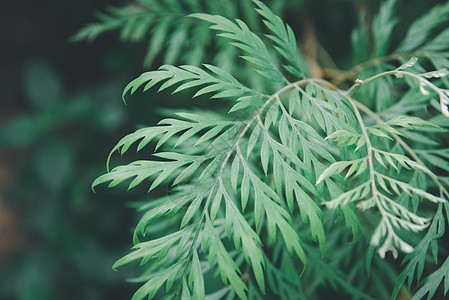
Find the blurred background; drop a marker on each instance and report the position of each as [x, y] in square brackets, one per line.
[61, 113]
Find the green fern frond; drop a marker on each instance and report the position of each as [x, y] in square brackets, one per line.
[417, 259]
[248, 41]
[393, 215]
[285, 40]
[432, 282]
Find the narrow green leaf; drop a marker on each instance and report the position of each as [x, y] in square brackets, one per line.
[193, 208]
[253, 138]
[235, 168]
[333, 169]
[196, 280]
[264, 155]
[379, 133]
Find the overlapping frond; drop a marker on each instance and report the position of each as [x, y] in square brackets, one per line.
[379, 189]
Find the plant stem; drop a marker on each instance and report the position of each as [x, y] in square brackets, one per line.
[341, 75]
[369, 148]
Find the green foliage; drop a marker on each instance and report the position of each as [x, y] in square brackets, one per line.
[153, 20]
[260, 195]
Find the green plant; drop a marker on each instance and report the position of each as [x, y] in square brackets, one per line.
[263, 193]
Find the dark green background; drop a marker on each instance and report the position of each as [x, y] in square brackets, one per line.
[61, 112]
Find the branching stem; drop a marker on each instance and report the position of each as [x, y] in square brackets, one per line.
[226, 159]
[400, 141]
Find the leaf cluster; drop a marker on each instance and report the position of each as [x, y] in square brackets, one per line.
[255, 194]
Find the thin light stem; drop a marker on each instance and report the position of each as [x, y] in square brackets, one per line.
[369, 149]
[379, 60]
[341, 75]
[359, 83]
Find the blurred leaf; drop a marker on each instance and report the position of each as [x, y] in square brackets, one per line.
[54, 165]
[18, 132]
[42, 85]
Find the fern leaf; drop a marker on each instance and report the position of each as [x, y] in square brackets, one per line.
[285, 40]
[432, 282]
[383, 25]
[250, 241]
[150, 288]
[141, 170]
[133, 21]
[196, 280]
[152, 249]
[248, 42]
[420, 29]
[185, 77]
[228, 269]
